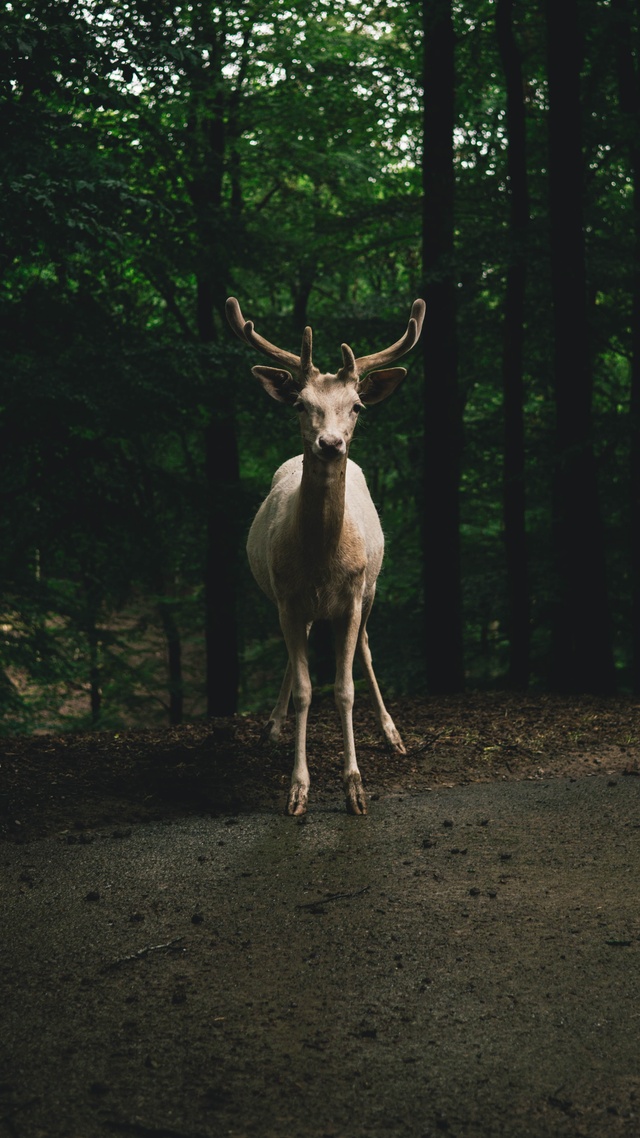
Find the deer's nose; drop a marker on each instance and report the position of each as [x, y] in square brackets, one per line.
[331, 445]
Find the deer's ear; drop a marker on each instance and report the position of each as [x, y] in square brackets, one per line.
[279, 384]
[378, 385]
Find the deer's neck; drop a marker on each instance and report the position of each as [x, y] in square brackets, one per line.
[321, 504]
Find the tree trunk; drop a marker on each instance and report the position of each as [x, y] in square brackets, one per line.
[221, 626]
[210, 132]
[174, 662]
[582, 656]
[222, 472]
[442, 403]
[322, 653]
[629, 87]
[95, 691]
[301, 293]
[513, 352]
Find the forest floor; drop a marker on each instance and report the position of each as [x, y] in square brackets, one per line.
[180, 960]
[72, 783]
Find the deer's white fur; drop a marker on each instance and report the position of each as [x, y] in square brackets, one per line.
[316, 544]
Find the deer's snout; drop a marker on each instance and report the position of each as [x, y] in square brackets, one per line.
[331, 446]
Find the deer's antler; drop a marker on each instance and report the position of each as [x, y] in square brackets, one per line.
[387, 356]
[245, 331]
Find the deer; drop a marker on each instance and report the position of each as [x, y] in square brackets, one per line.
[315, 546]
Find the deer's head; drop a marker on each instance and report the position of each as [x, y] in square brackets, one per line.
[328, 403]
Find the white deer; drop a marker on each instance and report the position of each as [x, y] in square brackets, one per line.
[316, 545]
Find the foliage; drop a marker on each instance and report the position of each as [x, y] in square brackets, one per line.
[157, 157]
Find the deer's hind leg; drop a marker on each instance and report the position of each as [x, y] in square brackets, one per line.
[273, 728]
[387, 726]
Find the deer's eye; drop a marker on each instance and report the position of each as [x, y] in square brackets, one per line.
[357, 408]
[299, 406]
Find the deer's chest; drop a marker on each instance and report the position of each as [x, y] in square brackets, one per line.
[320, 579]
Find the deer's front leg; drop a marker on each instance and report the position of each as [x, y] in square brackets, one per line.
[388, 727]
[346, 637]
[295, 634]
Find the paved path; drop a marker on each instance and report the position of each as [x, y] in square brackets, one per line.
[464, 962]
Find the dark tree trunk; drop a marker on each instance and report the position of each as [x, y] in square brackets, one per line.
[322, 653]
[222, 472]
[301, 294]
[211, 134]
[163, 587]
[513, 352]
[221, 625]
[95, 690]
[582, 657]
[634, 472]
[629, 87]
[174, 663]
[442, 403]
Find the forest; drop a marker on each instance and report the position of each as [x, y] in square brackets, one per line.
[327, 162]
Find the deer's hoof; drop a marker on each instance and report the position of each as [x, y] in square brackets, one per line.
[354, 791]
[394, 740]
[270, 732]
[298, 797]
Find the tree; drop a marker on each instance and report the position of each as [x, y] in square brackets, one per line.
[442, 403]
[628, 74]
[582, 656]
[513, 352]
[155, 160]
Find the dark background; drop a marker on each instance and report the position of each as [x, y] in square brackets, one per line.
[326, 163]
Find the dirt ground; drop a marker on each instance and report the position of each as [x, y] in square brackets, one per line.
[69, 784]
[178, 959]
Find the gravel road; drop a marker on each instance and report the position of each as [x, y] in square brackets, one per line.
[463, 962]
